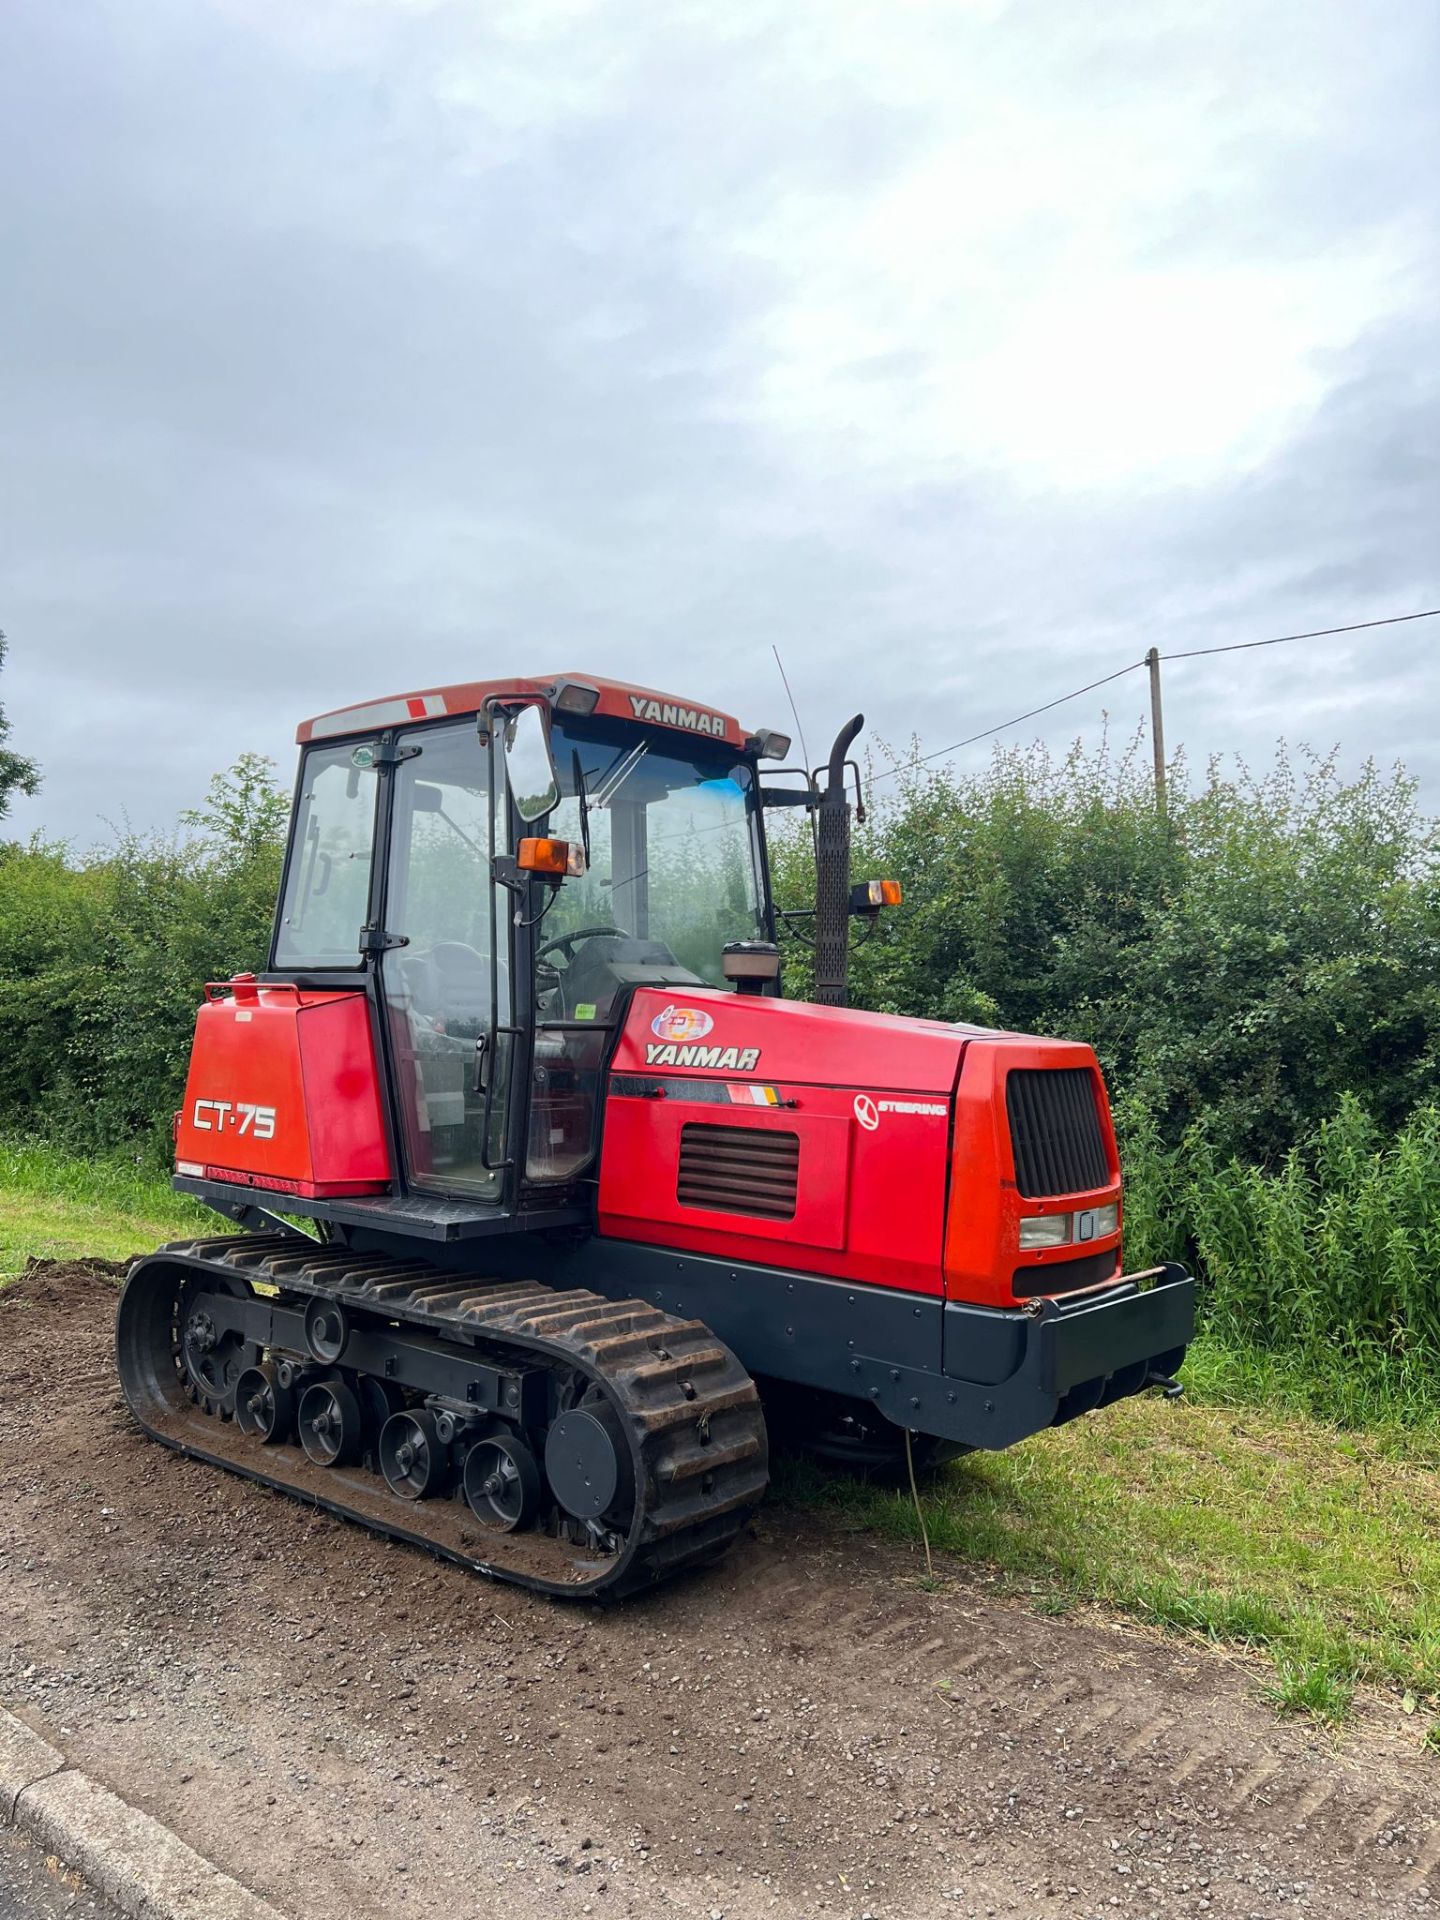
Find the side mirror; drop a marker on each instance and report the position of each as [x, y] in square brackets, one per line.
[529, 767]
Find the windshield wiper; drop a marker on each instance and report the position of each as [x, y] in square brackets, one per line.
[581, 802]
[605, 793]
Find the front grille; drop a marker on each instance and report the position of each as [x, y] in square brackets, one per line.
[1055, 1131]
[1064, 1276]
[739, 1169]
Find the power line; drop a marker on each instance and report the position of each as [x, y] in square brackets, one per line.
[1316, 633]
[1005, 725]
[1194, 653]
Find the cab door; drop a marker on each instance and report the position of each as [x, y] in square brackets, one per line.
[445, 974]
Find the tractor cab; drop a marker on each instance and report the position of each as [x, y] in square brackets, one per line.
[495, 868]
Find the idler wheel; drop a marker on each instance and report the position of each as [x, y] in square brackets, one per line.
[213, 1361]
[332, 1430]
[502, 1483]
[263, 1408]
[327, 1328]
[582, 1463]
[412, 1455]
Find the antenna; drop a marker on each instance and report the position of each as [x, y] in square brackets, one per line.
[799, 729]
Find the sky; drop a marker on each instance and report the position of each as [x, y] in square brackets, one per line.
[960, 350]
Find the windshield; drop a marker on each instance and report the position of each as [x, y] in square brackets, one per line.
[674, 853]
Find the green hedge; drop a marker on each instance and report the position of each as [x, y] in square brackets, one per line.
[1323, 1269]
[102, 959]
[1259, 974]
[1239, 967]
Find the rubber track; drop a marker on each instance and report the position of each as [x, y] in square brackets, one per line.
[692, 1411]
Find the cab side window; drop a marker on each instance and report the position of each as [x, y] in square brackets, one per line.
[327, 888]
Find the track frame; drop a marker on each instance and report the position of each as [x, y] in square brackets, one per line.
[686, 1416]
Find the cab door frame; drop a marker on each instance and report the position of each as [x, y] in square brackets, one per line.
[434, 1213]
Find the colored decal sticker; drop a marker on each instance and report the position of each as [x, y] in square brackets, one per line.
[681, 1023]
[585, 1010]
[866, 1112]
[749, 1094]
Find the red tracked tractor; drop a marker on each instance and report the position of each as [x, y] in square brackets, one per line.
[588, 1197]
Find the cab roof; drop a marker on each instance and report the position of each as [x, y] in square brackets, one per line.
[644, 706]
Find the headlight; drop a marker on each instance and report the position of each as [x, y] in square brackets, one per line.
[1045, 1230]
[1062, 1229]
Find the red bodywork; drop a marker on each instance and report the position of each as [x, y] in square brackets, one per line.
[906, 1175]
[283, 1093]
[619, 700]
[889, 1191]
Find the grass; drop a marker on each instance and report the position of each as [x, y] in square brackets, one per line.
[55, 1206]
[1367, 1388]
[1252, 1525]
[1302, 1686]
[1234, 1513]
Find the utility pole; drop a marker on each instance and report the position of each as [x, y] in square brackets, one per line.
[1157, 728]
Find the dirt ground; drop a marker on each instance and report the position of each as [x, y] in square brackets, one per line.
[350, 1727]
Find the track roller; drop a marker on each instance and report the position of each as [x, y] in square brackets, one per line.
[332, 1430]
[412, 1455]
[378, 1400]
[327, 1328]
[502, 1483]
[263, 1408]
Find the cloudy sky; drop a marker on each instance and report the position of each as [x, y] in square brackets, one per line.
[961, 349]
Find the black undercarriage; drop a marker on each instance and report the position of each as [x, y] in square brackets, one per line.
[602, 1428]
[557, 1439]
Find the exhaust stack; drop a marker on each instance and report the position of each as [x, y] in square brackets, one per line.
[832, 876]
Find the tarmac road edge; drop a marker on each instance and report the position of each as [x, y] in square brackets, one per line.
[147, 1871]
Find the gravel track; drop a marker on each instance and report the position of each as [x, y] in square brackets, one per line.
[346, 1725]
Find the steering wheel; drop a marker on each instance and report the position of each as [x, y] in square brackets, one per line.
[566, 943]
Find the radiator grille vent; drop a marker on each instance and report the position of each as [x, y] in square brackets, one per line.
[1055, 1131]
[739, 1169]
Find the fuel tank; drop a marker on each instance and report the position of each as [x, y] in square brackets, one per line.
[888, 1151]
[283, 1093]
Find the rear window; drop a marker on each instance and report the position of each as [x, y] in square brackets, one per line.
[327, 887]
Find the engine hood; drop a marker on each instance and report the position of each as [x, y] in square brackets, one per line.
[702, 1030]
[844, 1143]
